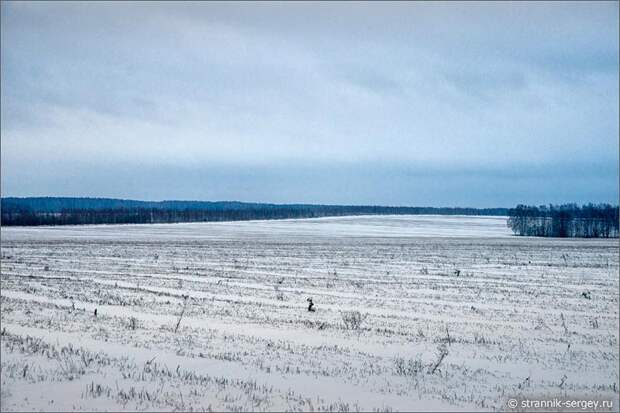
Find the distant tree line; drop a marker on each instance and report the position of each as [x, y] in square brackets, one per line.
[79, 211]
[570, 220]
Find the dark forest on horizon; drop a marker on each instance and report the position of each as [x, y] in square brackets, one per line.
[80, 211]
[569, 220]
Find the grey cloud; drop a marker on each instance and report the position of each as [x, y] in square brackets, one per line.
[248, 85]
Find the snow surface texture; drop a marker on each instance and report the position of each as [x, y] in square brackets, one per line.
[454, 314]
[392, 226]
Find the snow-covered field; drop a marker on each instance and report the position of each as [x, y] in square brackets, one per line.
[454, 314]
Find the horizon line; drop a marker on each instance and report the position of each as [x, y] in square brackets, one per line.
[290, 203]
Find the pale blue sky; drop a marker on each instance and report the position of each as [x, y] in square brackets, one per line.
[406, 103]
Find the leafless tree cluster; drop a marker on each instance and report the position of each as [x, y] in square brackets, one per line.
[570, 220]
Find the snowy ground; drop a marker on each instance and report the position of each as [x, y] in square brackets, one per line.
[456, 314]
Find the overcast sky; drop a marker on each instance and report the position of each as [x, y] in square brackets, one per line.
[446, 104]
